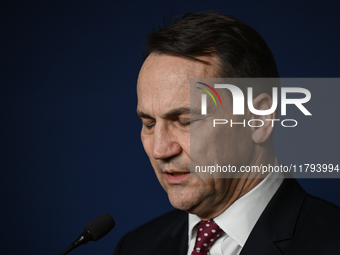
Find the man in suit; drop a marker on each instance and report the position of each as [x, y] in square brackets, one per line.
[247, 215]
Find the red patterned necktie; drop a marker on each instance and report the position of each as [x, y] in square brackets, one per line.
[207, 233]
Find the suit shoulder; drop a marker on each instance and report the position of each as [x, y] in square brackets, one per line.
[158, 231]
[321, 212]
[317, 229]
[319, 202]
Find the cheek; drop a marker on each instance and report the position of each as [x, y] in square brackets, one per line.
[185, 143]
[147, 142]
[148, 147]
[206, 146]
[209, 185]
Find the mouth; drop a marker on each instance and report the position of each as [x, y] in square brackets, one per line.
[177, 177]
[177, 174]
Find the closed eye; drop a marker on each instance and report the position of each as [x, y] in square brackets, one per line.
[150, 125]
[184, 123]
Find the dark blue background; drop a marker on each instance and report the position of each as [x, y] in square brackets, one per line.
[70, 145]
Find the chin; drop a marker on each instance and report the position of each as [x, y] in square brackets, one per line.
[183, 200]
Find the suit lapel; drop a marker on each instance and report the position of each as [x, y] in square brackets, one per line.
[277, 222]
[177, 239]
[259, 243]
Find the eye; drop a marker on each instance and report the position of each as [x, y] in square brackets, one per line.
[184, 123]
[149, 125]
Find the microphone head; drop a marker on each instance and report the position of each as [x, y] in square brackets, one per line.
[100, 226]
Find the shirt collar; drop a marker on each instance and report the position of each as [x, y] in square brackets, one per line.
[238, 220]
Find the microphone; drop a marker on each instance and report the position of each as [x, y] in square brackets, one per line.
[93, 231]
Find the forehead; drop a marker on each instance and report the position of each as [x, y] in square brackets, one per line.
[165, 80]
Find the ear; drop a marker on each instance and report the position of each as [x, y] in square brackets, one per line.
[260, 134]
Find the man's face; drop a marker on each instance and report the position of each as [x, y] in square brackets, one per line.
[164, 106]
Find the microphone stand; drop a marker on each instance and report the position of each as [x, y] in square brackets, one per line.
[83, 238]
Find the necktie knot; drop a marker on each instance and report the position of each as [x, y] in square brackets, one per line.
[207, 233]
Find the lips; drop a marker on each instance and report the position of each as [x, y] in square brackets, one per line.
[177, 174]
[177, 177]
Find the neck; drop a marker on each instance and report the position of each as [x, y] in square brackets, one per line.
[238, 187]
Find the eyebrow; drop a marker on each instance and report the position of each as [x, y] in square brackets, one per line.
[172, 113]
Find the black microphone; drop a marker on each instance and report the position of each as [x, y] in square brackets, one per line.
[93, 231]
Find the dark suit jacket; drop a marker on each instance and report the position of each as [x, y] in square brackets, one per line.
[293, 222]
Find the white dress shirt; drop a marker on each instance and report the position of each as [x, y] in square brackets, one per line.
[238, 220]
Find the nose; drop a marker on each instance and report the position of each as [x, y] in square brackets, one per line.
[165, 143]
